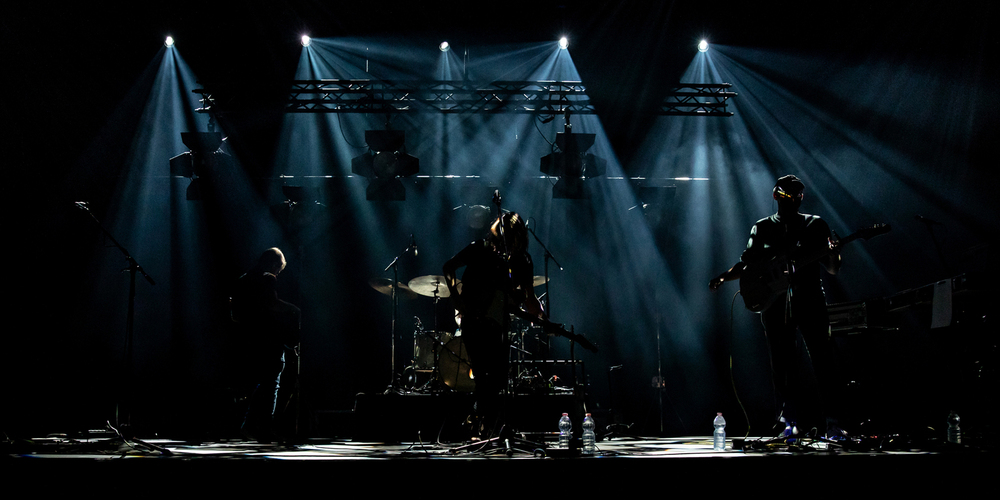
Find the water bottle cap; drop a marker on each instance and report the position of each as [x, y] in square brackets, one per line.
[565, 414]
[719, 413]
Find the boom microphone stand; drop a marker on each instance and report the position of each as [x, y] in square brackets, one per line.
[125, 396]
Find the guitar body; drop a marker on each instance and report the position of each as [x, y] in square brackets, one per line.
[763, 283]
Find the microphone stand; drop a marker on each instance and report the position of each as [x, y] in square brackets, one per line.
[124, 402]
[548, 255]
[394, 377]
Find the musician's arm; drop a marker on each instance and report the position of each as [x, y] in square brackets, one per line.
[530, 302]
[451, 278]
[831, 261]
[269, 293]
[532, 305]
[289, 315]
[828, 242]
[755, 252]
[732, 274]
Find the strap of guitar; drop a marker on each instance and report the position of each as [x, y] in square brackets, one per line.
[503, 236]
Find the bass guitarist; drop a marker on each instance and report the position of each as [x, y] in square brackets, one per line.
[794, 247]
[497, 279]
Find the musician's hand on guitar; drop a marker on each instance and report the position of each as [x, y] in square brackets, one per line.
[834, 242]
[831, 262]
[715, 283]
[458, 303]
[733, 273]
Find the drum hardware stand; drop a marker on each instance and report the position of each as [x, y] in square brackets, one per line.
[433, 385]
[548, 256]
[434, 286]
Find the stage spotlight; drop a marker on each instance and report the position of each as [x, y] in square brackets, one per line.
[572, 165]
[564, 43]
[383, 164]
[169, 42]
[703, 46]
[305, 40]
[444, 46]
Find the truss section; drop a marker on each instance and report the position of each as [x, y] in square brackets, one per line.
[527, 97]
[698, 99]
[379, 96]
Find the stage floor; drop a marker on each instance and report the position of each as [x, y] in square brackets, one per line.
[329, 449]
[622, 464]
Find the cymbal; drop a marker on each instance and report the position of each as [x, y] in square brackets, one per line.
[430, 286]
[384, 285]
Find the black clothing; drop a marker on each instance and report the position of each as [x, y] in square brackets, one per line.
[803, 308]
[270, 329]
[490, 287]
[798, 237]
[490, 280]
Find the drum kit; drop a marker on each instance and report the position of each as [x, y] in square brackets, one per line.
[440, 361]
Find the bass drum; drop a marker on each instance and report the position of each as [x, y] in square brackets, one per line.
[454, 368]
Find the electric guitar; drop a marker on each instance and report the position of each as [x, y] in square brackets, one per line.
[762, 283]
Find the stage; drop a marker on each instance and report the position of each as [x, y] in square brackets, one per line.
[369, 144]
[621, 465]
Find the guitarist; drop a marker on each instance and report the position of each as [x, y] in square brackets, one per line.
[497, 278]
[798, 246]
[270, 329]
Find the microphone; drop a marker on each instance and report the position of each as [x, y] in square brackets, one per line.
[413, 245]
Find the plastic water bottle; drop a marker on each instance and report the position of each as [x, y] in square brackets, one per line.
[719, 438]
[589, 437]
[565, 428]
[954, 431]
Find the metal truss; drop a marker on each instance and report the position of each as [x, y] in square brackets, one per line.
[698, 99]
[371, 96]
[528, 97]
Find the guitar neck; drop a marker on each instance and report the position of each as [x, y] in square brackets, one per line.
[555, 328]
[866, 233]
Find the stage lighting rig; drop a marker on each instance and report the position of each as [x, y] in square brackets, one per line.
[384, 163]
[570, 162]
[698, 99]
[169, 42]
[305, 40]
[703, 46]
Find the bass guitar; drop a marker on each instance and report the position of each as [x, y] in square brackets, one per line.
[555, 329]
[761, 284]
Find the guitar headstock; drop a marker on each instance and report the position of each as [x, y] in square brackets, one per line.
[873, 231]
